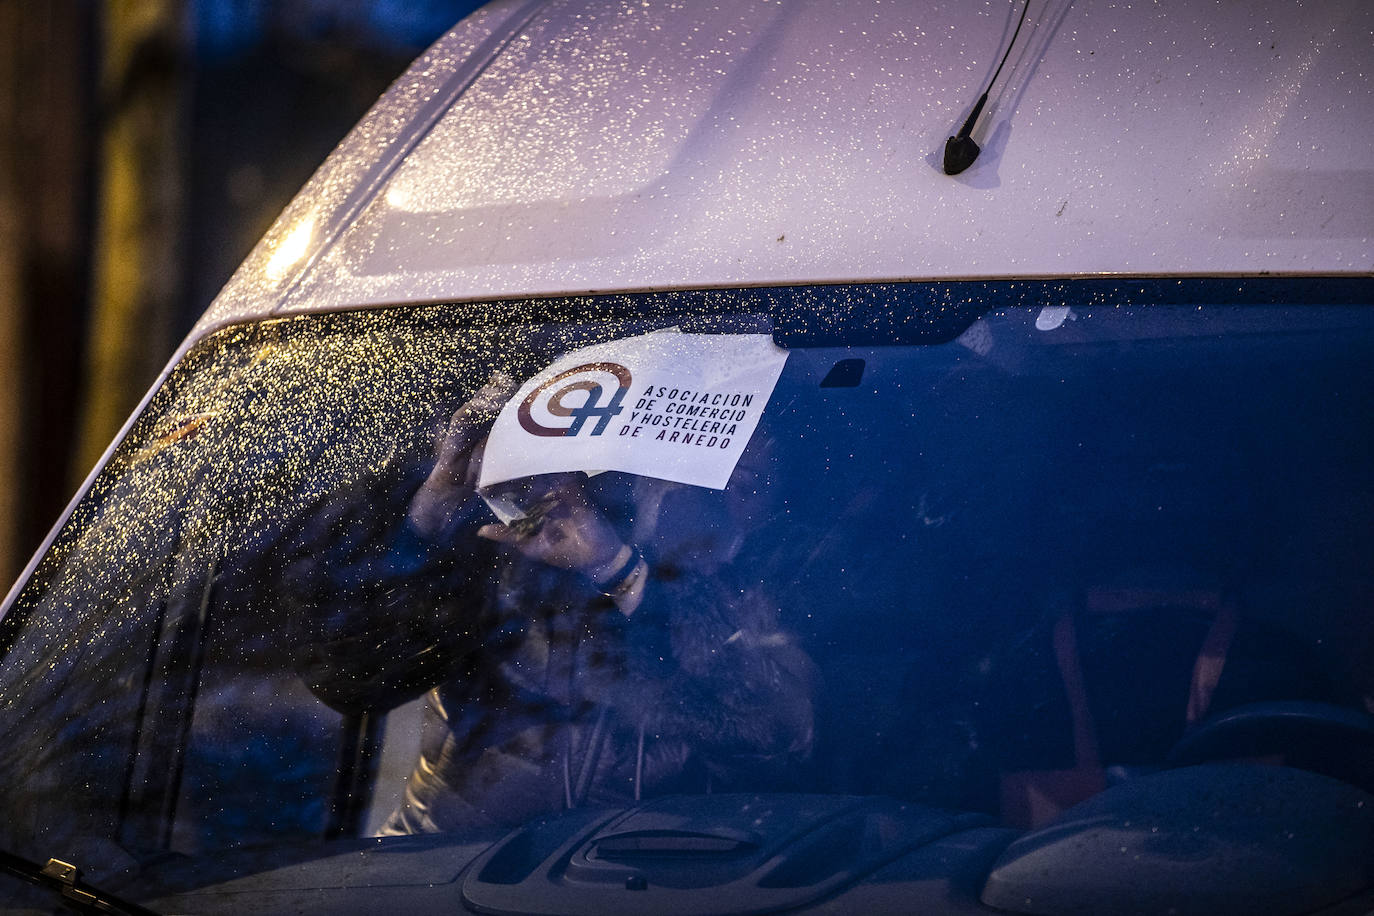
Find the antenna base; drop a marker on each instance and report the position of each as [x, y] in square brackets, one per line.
[960, 152]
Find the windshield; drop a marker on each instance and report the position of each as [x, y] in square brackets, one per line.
[986, 558]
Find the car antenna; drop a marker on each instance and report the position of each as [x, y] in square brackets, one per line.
[961, 150]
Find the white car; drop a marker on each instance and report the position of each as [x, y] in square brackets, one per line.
[686, 457]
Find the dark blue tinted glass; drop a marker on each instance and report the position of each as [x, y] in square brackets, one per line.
[985, 557]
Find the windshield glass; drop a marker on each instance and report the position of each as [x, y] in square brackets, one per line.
[1017, 560]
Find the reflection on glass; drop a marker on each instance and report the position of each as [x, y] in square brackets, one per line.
[1002, 573]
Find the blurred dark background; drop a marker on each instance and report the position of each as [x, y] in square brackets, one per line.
[145, 145]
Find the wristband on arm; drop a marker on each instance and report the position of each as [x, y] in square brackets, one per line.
[614, 582]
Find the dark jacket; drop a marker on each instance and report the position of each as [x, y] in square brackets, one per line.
[542, 693]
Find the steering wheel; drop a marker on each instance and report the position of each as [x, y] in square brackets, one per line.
[1336, 741]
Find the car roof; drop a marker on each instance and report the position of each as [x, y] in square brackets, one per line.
[549, 148]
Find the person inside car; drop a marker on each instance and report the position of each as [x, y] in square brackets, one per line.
[616, 642]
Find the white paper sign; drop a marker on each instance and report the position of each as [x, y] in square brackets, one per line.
[669, 405]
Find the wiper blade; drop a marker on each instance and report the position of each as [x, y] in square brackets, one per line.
[64, 879]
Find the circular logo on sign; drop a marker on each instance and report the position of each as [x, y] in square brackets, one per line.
[577, 395]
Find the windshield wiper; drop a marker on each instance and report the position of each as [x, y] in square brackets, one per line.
[64, 879]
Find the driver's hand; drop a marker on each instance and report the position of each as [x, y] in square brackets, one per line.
[563, 529]
[452, 481]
